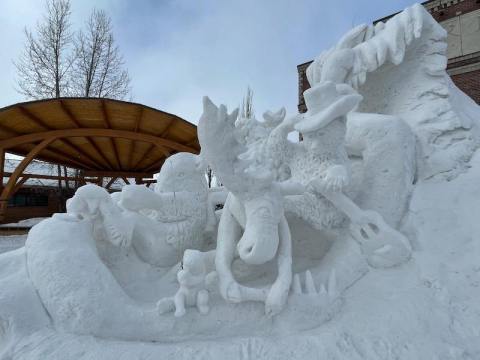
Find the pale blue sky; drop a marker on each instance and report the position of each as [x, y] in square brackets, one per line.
[179, 50]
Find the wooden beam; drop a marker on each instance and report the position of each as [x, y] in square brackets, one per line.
[126, 180]
[119, 174]
[138, 120]
[115, 151]
[19, 184]
[100, 152]
[106, 118]
[157, 165]
[75, 148]
[47, 177]
[21, 167]
[170, 124]
[69, 114]
[2, 167]
[193, 141]
[56, 151]
[130, 154]
[110, 183]
[108, 125]
[149, 149]
[33, 118]
[147, 181]
[53, 157]
[59, 178]
[75, 121]
[65, 159]
[161, 143]
[8, 130]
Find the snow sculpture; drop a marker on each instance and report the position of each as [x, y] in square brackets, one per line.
[110, 223]
[254, 204]
[175, 217]
[194, 282]
[248, 156]
[302, 224]
[409, 49]
[76, 288]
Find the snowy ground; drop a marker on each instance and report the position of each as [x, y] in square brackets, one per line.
[11, 242]
[425, 309]
[23, 223]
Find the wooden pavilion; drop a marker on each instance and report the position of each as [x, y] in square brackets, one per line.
[102, 138]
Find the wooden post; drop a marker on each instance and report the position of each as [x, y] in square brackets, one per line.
[2, 166]
[3, 203]
[60, 194]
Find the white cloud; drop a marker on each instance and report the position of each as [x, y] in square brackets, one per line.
[179, 50]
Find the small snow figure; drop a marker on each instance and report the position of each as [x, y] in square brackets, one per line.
[194, 281]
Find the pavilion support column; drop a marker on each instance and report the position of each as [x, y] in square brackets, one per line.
[2, 166]
[3, 209]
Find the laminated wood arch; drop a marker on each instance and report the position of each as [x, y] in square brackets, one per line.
[100, 136]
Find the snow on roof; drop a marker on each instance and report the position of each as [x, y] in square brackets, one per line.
[43, 168]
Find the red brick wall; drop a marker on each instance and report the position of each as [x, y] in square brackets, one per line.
[446, 11]
[302, 85]
[451, 10]
[469, 83]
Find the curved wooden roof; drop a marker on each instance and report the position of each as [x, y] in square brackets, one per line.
[95, 134]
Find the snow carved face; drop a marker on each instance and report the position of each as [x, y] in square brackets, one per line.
[180, 172]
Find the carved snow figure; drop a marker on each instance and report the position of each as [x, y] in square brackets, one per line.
[321, 164]
[175, 217]
[78, 291]
[408, 49]
[110, 223]
[252, 223]
[194, 279]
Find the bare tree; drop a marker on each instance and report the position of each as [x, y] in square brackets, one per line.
[98, 69]
[209, 176]
[246, 110]
[44, 65]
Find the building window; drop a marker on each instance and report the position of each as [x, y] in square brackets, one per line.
[20, 199]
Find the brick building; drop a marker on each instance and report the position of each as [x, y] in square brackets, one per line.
[461, 19]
